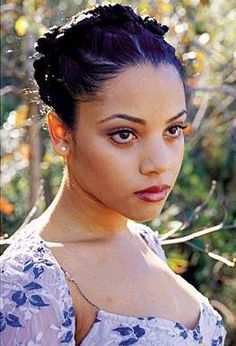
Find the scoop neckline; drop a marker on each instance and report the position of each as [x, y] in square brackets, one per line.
[166, 324]
[162, 320]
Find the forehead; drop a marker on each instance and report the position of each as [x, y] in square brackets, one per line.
[139, 90]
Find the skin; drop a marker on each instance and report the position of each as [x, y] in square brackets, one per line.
[96, 198]
[87, 224]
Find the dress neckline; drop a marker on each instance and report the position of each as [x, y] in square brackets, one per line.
[164, 321]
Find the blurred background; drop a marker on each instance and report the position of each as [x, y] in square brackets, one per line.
[204, 199]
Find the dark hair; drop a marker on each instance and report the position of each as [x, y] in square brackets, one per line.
[94, 46]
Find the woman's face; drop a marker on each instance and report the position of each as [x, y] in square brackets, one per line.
[116, 156]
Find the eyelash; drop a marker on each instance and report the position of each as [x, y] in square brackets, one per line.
[181, 126]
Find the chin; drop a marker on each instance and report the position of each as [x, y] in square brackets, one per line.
[145, 216]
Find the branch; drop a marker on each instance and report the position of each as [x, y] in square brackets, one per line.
[184, 225]
[28, 217]
[167, 235]
[200, 207]
[10, 7]
[9, 89]
[226, 89]
[231, 319]
[198, 234]
[35, 207]
[200, 114]
[214, 255]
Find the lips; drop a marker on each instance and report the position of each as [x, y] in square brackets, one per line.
[153, 193]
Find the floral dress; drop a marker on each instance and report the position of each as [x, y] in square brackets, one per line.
[37, 310]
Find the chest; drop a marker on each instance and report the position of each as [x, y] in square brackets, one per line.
[133, 283]
[110, 280]
[138, 299]
[153, 291]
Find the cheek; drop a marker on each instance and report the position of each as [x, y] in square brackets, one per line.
[177, 157]
[99, 165]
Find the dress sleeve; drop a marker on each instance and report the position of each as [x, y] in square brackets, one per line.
[159, 246]
[153, 240]
[32, 310]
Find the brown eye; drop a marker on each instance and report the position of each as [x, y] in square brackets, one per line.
[122, 136]
[173, 130]
[176, 130]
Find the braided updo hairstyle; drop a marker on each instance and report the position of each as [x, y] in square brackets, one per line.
[92, 47]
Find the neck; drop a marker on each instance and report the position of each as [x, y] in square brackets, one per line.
[74, 215]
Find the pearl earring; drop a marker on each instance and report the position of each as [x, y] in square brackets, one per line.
[63, 148]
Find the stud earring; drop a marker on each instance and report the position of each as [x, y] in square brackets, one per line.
[63, 148]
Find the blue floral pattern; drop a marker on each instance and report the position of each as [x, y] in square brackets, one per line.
[36, 305]
[133, 333]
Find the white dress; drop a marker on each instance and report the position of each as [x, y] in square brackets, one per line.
[37, 308]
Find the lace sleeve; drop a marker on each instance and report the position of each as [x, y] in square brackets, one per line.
[32, 312]
[153, 240]
[159, 246]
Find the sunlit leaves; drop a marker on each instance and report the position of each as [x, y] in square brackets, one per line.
[39, 3]
[21, 26]
[6, 207]
[41, 30]
[205, 2]
[24, 150]
[177, 263]
[144, 7]
[165, 7]
[199, 62]
[21, 115]
[191, 2]
[204, 38]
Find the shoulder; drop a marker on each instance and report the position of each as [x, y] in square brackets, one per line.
[35, 301]
[26, 259]
[152, 238]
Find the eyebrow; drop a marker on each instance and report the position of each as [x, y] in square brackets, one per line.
[139, 120]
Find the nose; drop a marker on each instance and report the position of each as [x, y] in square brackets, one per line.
[155, 158]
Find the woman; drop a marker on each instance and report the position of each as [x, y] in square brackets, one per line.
[87, 271]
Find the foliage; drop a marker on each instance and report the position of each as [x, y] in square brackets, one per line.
[204, 33]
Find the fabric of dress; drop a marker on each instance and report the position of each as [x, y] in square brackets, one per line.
[36, 305]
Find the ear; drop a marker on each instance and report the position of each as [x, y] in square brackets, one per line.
[59, 134]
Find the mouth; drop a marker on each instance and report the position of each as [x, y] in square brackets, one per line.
[153, 193]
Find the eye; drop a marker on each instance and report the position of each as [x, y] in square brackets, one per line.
[122, 136]
[176, 130]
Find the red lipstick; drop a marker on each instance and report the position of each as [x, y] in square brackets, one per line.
[153, 193]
